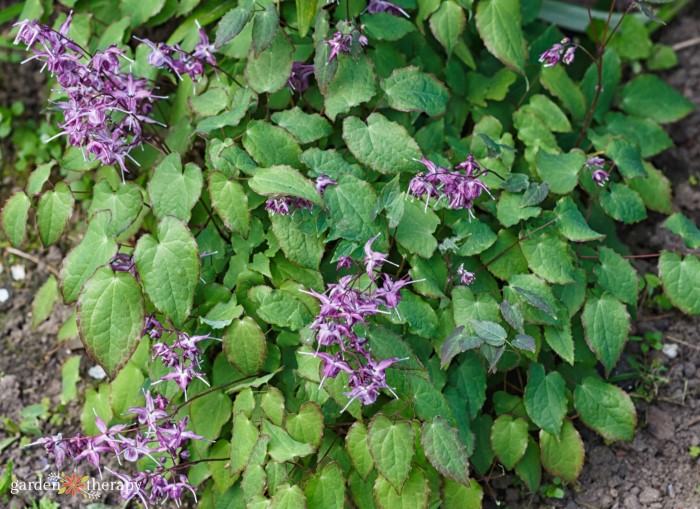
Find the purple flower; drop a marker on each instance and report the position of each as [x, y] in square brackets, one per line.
[285, 205]
[322, 182]
[600, 177]
[594, 162]
[299, 79]
[344, 261]
[344, 42]
[563, 51]
[374, 259]
[123, 263]
[384, 6]
[465, 277]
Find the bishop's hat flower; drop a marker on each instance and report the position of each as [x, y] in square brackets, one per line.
[563, 51]
[465, 277]
[384, 6]
[300, 77]
[597, 166]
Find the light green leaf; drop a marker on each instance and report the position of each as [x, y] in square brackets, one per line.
[606, 325]
[97, 248]
[306, 425]
[445, 451]
[510, 210]
[545, 399]
[655, 190]
[231, 25]
[409, 89]
[125, 204]
[306, 11]
[272, 405]
[127, 389]
[168, 265]
[44, 301]
[244, 436]
[284, 310]
[414, 495]
[382, 145]
[54, 210]
[628, 158]
[392, 446]
[560, 171]
[265, 25]
[509, 439]
[15, 216]
[231, 117]
[299, 246]
[305, 127]
[681, 280]
[548, 257]
[358, 450]
[350, 208]
[175, 191]
[288, 497]
[230, 201]
[457, 496]
[140, 11]
[650, 96]
[617, 276]
[110, 317]
[505, 257]
[498, 23]
[386, 27]
[572, 224]
[606, 409]
[529, 469]
[352, 84]
[416, 229]
[326, 489]
[283, 181]
[687, 229]
[270, 70]
[209, 414]
[70, 374]
[283, 447]
[562, 457]
[447, 24]
[561, 341]
[271, 145]
[38, 178]
[245, 346]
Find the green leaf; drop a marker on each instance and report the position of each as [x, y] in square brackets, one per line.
[545, 399]
[558, 83]
[504, 257]
[326, 489]
[416, 229]
[414, 495]
[306, 425]
[650, 96]
[265, 25]
[382, 145]
[606, 326]
[548, 257]
[529, 469]
[681, 280]
[301, 247]
[283, 447]
[38, 178]
[284, 310]
[270, 70]
[392, 446]
[560, 171]
[352, 84]
[605, 408]
[231, 117]
[54, 210]
[127, 389]
[272, 405]
[140, 11]
[350, 208]
[617, 276]
[524, 342]
[44, 300]
[15, 216]
[562, 457]
[70, 375]
[306, 11]
[288, 497]
[655, 190]
[650, 136]
[510, 210]
[509, 439]
[358, 450]
[409, 89]
[447, 24]
[687, 229]
[623, 204]
[175, 191]
[572, 224]
[231, 25]
[125, 204]
[386, 27]
[612, 74]
[305, 127]
[284, 181]
[491, 332]
[445, 451]
[457, 496]
[168, 265]
[97, 248]
[628, 158]
[108, 295]
[561, 341]
[271, 145]
[244, 436]
[230, 201]
[245, 346]
[498, 23]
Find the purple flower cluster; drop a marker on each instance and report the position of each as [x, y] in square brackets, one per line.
[345, 306]
[180, 62]
[460, 188]
[384, 6]
[285, 205]
[106, 109]
[123, 262]
[465, 277]
[182, 355]
[564, 51]
[299, 79]
[158, 436]
[344, 42]
[596, 165]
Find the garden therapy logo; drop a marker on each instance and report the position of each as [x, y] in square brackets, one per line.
[70, 485]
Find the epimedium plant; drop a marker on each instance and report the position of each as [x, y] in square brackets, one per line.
[349, 253]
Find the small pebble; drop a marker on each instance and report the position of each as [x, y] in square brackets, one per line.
[18, 273]
[670, 350]
[97, 372]
[4, 295]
